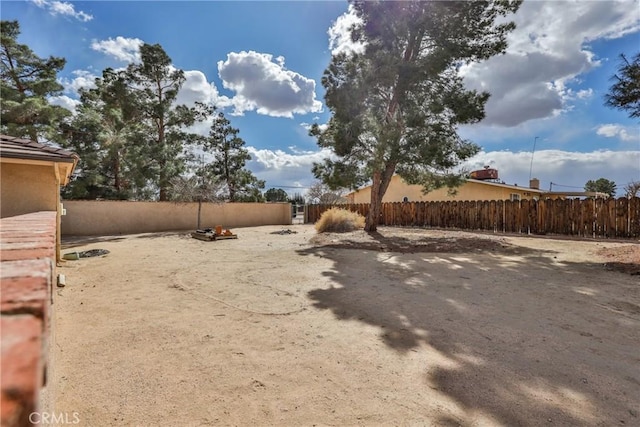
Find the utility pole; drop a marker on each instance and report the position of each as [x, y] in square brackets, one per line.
[534, 150]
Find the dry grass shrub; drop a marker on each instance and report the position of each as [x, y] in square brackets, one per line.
[336, 220]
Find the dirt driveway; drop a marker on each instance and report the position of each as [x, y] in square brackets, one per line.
[407, 327]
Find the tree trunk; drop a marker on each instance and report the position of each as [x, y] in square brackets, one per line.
[199, 210]
[371, 222]
[379, 187]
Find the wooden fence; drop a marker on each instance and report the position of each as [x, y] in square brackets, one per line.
[597, 218]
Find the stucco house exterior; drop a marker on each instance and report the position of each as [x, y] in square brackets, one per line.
[472, 189]
[31, 175]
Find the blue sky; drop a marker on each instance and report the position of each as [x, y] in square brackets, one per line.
[261, 62]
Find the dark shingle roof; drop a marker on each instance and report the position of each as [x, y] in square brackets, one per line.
[18, 148]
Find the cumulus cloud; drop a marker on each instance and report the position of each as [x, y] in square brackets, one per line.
[197, 88]
[278, 159]
[266, 86]
[565, 169]
[279, 168]
[623, 133]
[82, 79]
[547, 51]
[62, 8]
[340, 34]
[562, 168]
[121, 48]
[65, 102]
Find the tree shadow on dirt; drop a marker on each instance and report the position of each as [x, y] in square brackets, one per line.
[530, 340]
[69, 242]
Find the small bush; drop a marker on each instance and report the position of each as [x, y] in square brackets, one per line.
[338, 220]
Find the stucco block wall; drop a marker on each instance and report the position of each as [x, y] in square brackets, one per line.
[27, 273]
[95, 218]
[27, 188]
[469, 191]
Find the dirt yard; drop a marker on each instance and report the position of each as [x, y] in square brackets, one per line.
[406, 327]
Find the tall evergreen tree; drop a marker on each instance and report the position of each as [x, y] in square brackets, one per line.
[156, 82]
[26, 81]
[106, 132]
[276, 195]
[601, 185]
[624, 94]
[230, 157]
[396, 107]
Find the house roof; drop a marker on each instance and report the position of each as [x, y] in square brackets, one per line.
[490, 183]
[25, 151]
[509, 186]
[527, 189]
[19, 148]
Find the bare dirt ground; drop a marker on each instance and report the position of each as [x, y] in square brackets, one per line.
[404, 327]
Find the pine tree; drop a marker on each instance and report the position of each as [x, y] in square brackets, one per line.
[601, 185]
[396, 107]
[26, 83]
[106, 132]
[624, 94]
[230, 157]
[155, 83]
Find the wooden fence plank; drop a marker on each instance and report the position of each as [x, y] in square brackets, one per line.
[610, 218]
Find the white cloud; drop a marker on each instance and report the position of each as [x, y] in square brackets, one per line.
[267, 86]
[279, 159]
[121, 48]
[562, 168]
[340, 34]
[196, 88]
[624, 133]
[279, 168]
[64, 101]
[547, 51]
[83, 79]
[565, 169]
[584, 94]
[62, 8]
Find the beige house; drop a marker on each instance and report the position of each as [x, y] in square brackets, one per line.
[31, 175]
[472, 189]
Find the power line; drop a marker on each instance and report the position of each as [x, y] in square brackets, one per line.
[565, 186]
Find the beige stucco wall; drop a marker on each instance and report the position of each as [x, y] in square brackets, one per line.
[398, 189]
[120, 217]
[27, 188]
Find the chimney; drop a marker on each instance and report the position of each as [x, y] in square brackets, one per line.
[534, 184]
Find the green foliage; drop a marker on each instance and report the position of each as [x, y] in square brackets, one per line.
[131, 136]
[107, 133]
[252, 195]
[396, 107]
[337, 220]
[230, 157]
[154, 84]
[601, 185]
[26, 81]
[624, 94]
[276, 195]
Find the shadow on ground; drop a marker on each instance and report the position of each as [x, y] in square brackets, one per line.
[529, 340]
[69, 242]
